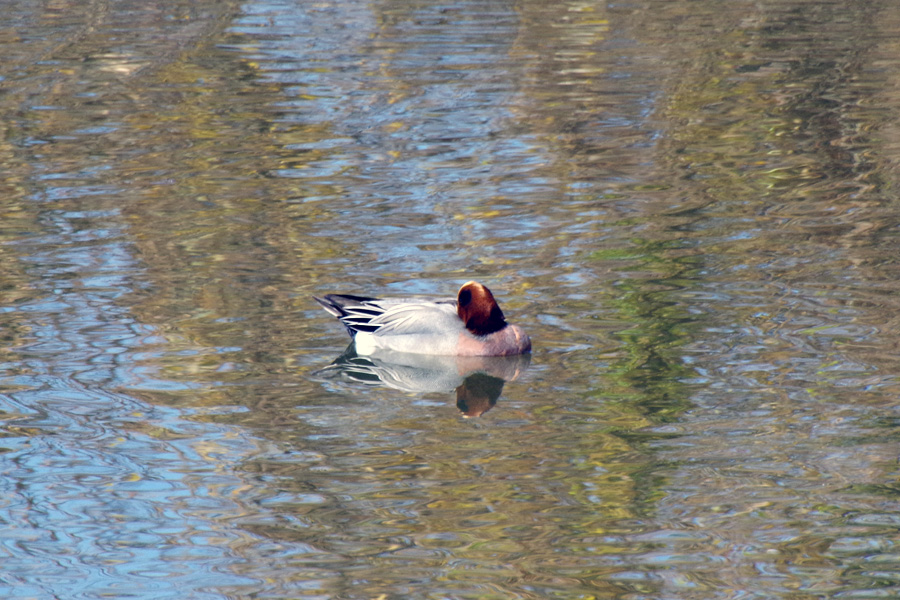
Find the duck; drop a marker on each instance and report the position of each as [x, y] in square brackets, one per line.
[472, 324]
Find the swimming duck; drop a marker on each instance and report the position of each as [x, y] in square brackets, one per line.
[470, 325]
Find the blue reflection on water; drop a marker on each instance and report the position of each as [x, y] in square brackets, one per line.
[96, 500]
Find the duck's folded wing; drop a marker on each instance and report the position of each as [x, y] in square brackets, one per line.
[391, 316]
[417, 318]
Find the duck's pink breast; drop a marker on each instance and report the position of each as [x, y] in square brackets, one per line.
[510, 340]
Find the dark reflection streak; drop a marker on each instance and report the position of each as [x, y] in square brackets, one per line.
[829, 65]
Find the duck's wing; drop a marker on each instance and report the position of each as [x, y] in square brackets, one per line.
[424, 317]
[392, 316]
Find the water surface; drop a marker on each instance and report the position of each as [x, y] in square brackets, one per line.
[691, 207]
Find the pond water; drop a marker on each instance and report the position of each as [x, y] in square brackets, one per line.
[690, 206]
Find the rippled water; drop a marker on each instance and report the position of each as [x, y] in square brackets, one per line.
[690, 206]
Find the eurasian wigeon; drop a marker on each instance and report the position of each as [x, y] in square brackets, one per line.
[471, 325]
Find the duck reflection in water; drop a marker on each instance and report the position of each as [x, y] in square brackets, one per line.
[477, 380]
